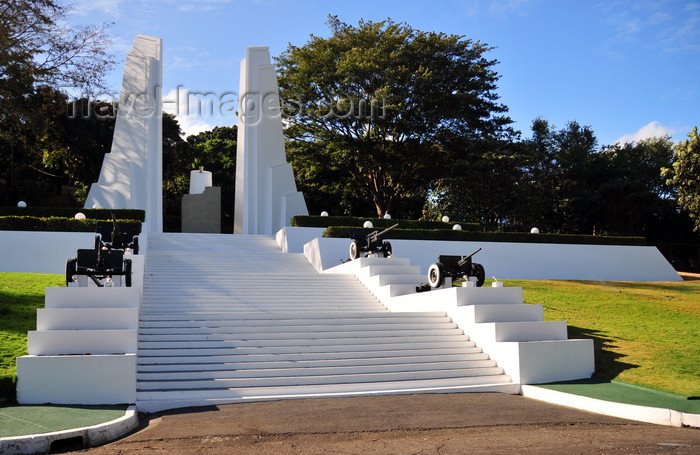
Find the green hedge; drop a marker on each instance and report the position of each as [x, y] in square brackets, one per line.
[328, 221]
[59, 224]
[515, 237]
[69, 212]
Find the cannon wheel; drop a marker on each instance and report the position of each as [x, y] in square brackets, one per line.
[71, 269]
[354, 250]
[127, 272]
[386, 249]
[436, 275]
[135, 247]
[480, 274]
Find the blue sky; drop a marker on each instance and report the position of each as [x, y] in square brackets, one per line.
[629, 69]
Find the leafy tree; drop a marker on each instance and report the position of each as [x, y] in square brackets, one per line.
[75, 138]
[684, 175]
[372, 106]
[214, 149]
[37, 51]
[634, 196]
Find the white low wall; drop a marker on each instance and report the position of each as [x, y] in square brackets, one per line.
[40, 252]
[77, 379]
[45, 251]
[526, 261]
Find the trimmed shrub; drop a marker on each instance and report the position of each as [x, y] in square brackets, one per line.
[328, 221]
[69, 212]
[58, 224]
[515, 237]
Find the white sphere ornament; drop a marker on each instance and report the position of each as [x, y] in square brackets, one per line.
[79, 216]
[534, 231]
[456, 227]
[368, 224]
[445, 219]
[324, 213]
[21, 204]
[387, 216]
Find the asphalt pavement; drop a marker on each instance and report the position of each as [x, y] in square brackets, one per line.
[462, 423]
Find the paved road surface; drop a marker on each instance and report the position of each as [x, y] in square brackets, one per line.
[461, 423]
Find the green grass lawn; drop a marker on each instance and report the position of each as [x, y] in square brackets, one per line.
[644, 333]
[20, 295]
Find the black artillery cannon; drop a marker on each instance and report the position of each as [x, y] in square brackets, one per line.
[100, 265]
[455, 266]
[369, 241]
[114, 236]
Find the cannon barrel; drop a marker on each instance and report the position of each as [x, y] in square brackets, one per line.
[376, 234]
[466, 258]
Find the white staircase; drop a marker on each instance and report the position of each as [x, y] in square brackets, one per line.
[229, 318]
[530, 349]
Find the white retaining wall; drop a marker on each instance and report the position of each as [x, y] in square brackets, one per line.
[527, 261]
[48, 251]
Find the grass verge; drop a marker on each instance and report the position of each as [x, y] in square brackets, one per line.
[644, 333]
[20, 296]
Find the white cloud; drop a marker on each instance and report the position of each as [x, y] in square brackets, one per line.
[648, 131]
[86, 7]
[194, 118]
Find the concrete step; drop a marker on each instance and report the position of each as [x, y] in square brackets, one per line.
[232, 372]
[321, 379]
[195, 329]
[279, 348]
[163, 364]
[292, 318]
[384, 280]
[374, 270]
[164, 357]
[297, 334]
[153, 401]
[295, 342]
[87, 318]
[520, 331]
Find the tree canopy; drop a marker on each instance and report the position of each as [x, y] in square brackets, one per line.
[685, 175]
[372, 106]
[40, 56]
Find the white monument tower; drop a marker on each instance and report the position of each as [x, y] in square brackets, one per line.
[266, 195]
[132, 173]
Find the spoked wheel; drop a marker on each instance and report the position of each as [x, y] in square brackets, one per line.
[386, 249]
[71, 269]
[127, 272]
[354, 250]
[436, 275]
[480, 274]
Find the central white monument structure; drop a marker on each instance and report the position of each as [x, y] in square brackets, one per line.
[266, 195]
[132, 173]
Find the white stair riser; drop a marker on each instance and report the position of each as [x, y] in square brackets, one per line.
[300, 342]
[202, 356]
[302, 335]
[161, 365]
[234, 373]
[93, 297]
[87, 318]
[482, 383]
[61, 342]
[317, 380]
[169, 329]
